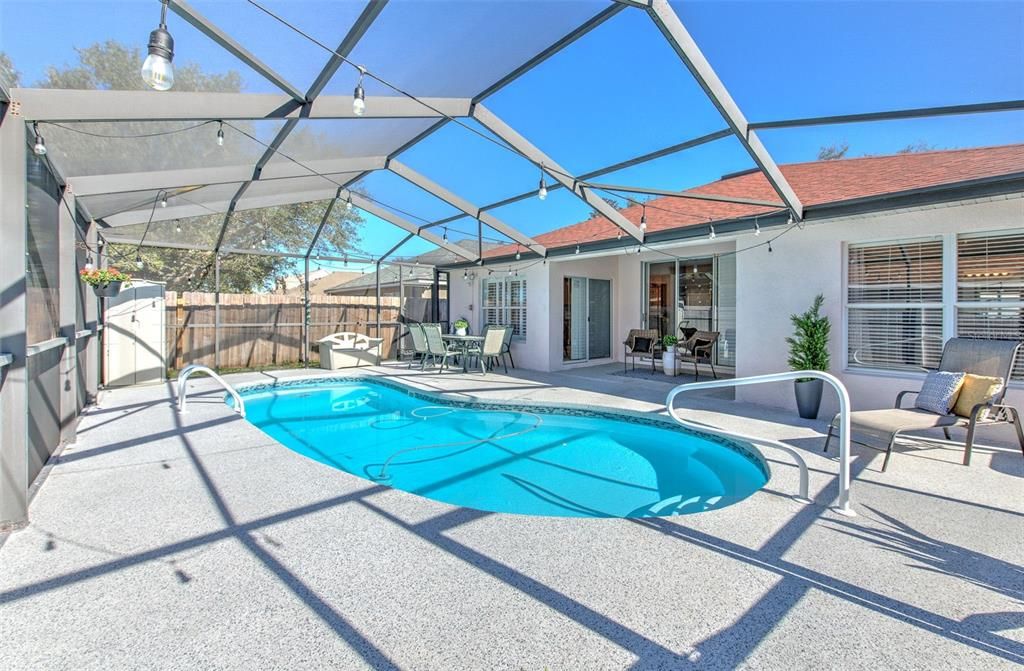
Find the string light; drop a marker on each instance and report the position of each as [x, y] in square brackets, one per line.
[445, 236]
[163, 200]
[177, 226]
[157, 71]
[518, 253]
[220, 135]
[138, 261]
[359, 96]
[348, 203]
[643, 217]
[88, 263]
[577, 249]
[711, 234]
[542, 191]
[618, 236]
[769, 246]
[757, 227]
[40, 146]
[263, 239]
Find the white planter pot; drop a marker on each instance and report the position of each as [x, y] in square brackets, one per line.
[668, 362]
[460, 332]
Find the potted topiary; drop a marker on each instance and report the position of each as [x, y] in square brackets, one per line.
[668, 356]
[461, 326]
[808, 350]
[105, 282]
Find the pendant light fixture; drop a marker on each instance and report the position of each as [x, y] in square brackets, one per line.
[359, 95]
[39, 148]
[157, 71]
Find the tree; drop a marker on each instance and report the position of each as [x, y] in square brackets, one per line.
[118, 147]
[917, 147]
[616, 205]
[9, 76]
[833, 152]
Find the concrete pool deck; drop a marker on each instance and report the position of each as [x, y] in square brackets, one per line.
[160, 540]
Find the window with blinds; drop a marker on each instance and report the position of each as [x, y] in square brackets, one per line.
[990, 287]
[504, 303]
[894, 309]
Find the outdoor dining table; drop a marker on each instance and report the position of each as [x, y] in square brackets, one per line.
[463, 343]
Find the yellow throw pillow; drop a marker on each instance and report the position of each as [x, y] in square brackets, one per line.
[976, 389]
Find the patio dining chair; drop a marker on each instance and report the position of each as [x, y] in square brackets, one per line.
[419, 345]
[640, 343]
[436, 348]
[491, 350]
[977, 405]
[699, 348]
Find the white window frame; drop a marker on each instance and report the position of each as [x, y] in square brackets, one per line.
[505, 310]
[950, 302]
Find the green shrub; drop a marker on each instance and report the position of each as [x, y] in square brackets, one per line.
[808, 347]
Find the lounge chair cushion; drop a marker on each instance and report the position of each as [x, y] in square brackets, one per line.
[939, 391]
[901, 419]
[976, 389]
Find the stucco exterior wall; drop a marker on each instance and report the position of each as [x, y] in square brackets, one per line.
[771, 287]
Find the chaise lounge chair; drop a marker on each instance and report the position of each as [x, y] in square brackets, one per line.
[992, 358]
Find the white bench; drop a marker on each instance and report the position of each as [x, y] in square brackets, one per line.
[349, 350]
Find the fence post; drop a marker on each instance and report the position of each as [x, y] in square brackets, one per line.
[216, 311]
[378, 334]
[179, 340]
[305, 316]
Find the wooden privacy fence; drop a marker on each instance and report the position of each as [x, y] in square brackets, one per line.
[261, 330]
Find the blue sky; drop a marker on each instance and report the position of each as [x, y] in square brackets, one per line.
[618, 92]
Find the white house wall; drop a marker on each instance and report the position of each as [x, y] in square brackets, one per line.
[772, 286]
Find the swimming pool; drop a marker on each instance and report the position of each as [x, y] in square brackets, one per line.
[532, 460]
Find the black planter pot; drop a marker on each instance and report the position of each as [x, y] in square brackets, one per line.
[808, 397]
[108, 290]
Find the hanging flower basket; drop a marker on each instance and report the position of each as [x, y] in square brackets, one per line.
[105, 282]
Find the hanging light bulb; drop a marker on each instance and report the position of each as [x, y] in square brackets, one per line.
[711, 234]
[577, 249]
[345, 260]
[518, 254]
[163, 200]
[618, 236]
[465, 275]
[40, 146]
[177, 226]
[220, 135]
[445, 236]
[157, 71]
[138, 261]
[88, 263]
[542, 191]
[643, 218]
[769, 246]
[263, 239]
[510, 271]
[757, 228]
[359, 95]
[348, 203]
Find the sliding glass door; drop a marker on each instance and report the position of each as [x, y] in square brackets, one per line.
[586, 319]
[689, 295]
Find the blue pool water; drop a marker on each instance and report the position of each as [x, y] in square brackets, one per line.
[535, 461]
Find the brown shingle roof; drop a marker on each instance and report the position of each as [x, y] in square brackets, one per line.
[815, 183]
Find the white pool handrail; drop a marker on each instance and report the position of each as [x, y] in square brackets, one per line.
[197, 368]
[843, 501]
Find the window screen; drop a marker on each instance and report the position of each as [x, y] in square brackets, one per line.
[894, 304]
[990, 287]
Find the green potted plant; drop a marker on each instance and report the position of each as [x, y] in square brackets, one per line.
[668, 355]
[808, 350]
[105, 282]
[461, 326]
